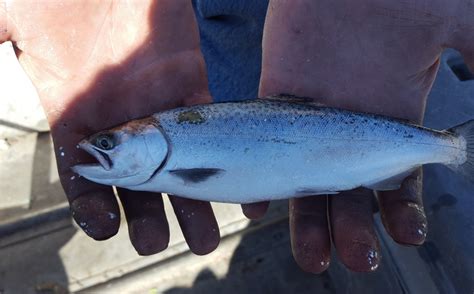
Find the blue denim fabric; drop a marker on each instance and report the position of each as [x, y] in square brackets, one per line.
[231, 41]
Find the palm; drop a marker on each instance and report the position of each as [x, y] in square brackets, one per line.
[96, 65]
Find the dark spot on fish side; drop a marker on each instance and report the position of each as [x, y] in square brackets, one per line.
[408, 136]
[191, 116]
[283, 141]
[196, 175]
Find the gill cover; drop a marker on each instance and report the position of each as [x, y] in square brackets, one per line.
[128, 155]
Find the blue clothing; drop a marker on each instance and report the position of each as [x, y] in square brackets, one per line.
[231, 41]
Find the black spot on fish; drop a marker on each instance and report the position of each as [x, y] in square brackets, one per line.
[283, 141]
[196, 175]
[408, 136]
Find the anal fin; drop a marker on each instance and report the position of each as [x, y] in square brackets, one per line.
[392, 183]
[302, 192]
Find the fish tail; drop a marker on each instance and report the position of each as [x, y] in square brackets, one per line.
[466, 131]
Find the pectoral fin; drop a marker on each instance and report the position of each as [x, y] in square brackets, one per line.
[196, 175]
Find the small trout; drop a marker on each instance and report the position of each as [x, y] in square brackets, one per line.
[268, 149]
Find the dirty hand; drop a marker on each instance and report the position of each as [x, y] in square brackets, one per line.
[373, 56]
[96, 65]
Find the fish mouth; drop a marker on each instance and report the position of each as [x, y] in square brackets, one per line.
[102, 157]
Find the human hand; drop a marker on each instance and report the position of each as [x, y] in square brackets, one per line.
[378, 56]
[98, 64]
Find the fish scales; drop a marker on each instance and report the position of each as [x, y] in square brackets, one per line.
[287, 148]
[258, 150]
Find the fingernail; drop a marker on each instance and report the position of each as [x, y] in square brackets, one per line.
[410, 227]
[373, 259]
[419, 235]
[361, 258]
[324, 265]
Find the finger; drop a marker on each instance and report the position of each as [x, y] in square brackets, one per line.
[402, 211]
[198, 223]
[147, 224]
[5, 30]
[309, 231]
[353, 231]
[97, 213]
[255, 210]
[93, 206]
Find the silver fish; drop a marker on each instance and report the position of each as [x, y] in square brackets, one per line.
[249, 151]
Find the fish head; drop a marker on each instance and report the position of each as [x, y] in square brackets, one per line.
[127, 155]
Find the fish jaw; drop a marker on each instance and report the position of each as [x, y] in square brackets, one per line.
[101, 157]
[97, 172]
[94, 172]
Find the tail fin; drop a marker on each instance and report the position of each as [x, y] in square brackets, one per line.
[466, 130]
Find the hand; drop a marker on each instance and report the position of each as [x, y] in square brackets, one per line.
[98, 64]
[378, 56]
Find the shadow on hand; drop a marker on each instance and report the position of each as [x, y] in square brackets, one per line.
[165, 71]
[263, 263]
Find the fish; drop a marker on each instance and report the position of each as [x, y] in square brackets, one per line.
[267, 149]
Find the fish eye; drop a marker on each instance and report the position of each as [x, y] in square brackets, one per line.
[105, 142]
